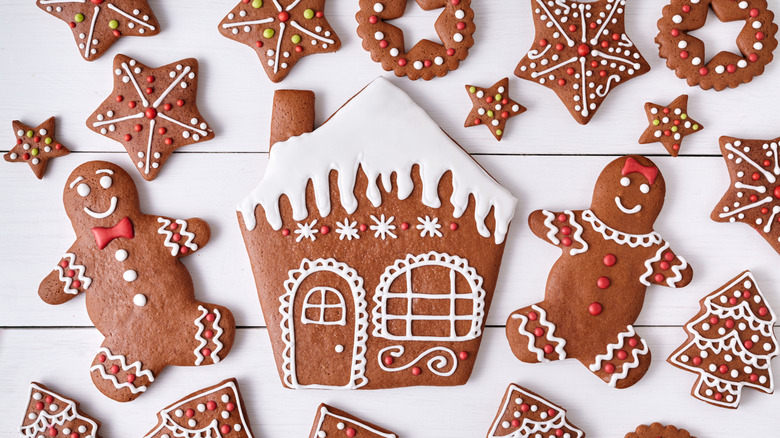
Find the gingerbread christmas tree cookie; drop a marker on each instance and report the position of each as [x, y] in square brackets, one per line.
[52, 415]
[334, 423]
[669, 124]
[98, 24]
[524, 414]
[658, 430]
[35, 146]
[492, 107]
[281, 32]
[731, 343]
[152, 112]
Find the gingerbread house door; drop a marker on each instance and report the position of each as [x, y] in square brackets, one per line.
[324, 324]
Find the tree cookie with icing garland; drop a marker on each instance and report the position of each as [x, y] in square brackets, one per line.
[139, 295]
[53, 415]
[658, 430]
[685, 54]
[595, 291]
[426, 59]
[35, 146]
[334, 423]
[381, 178]
[731, 343]
[524, 414]
[216, 411]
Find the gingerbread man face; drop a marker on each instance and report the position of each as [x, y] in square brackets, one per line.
[630, 192]
[99, 193]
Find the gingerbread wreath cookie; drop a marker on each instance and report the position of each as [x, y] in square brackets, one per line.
[97, 24]
[381, 177]
[152, 112]
[669, 124]
[581, 52]
[753, 196]
[658, 430]
[524, 414]
[281, 32]
[595, 291]
[52, 415]
[492, 107]
[216, 411]
[427, 59]
[139, 295]
[685, 54]
[731, 343]
[35, 146]
[334, 423]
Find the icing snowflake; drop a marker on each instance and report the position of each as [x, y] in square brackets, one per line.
[581, 51]
[347, 230]
[306, 231]
[429, 226]
[383, 227]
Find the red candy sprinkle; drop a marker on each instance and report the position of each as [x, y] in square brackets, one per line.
[325, 229]
[283, 16]
[664, 265]
[298, 49]
[566, 241]
[595, 309]
[128, 137]
[208, 334]
[763, 311]
[583, 50]
[169, 141]
[450, 52]
[39, 406]
[351, 432]
[167, 107]
[363, 227]
[548, 349]
[150, 113]
[180, 102]
[119, 98]
[405, 226]
[697, 360]
[102, 358]
[210, 405]
[130, 378]
[632, 342]
[609, 368]
[668, 256]
[730, 323]
[206, 352]
[230, 407]
[703, 71]
[416, 371]
[453, 226]
[756, 176]
[675, 32]
[515, 423]
[52, 431]
[402, 62]
[622, 355]
[383, 44]
[538, 332]
[76, 284]
[463, 355]
[210, 317]
[149, 90]
[718, 396]
[542, 43]
[603, 282]
[561, 82]
[225, 429]
[461, 25]
[659, 278]
[150, 79]
[610, 260]
[389, 360]
[686, 8]
[131, 104]
[754, 12]
[753, 57]
[524, 407]
[723, 369]
[532, 316]
[258, 44]
[162, 131]
[753, 377]
[114, 369]
[684, 54]
[373, 19]
[138, 128]
[565, 231]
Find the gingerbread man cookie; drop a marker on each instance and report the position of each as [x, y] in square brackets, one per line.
[492, 107]
[35, 146]
[595, 291]
[334, 423]
[524, 414]
[50, 414]
[658, 430]
[139, 295]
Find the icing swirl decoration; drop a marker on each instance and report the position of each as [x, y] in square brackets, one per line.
[443, 364]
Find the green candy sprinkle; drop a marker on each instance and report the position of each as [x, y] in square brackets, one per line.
[656, 122]
[268, 33]
[499, 132]
[490, 113]
[695, 127]
[48, 140]
[498, 97]
[472, 90]
[684, 116]
[674, 129]
[308, 14]
[257, 4]
[113, 24]
[34, 152]
[78, 18]
[30, 134]
[296, 39]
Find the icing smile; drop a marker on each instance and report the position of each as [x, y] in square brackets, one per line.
[636, 209]
[104, 214]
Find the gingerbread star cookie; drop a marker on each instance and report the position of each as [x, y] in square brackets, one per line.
[658, 430]
[669, 124]
[524, 414]
[281, 31]
[492, 107]
[52, 415]
[753, 196]
[97, 24]
[35, 146]
[334, 423]
[581, 51]
[152, 111]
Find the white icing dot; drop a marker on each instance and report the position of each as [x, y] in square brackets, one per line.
[14, 155]
[758, 46]
[340, 426]
[237, 427]
[130, 275]
[37, 396]
[178, 413]
[66, 431]
[696, 61]
[156, 155]
[225, 398]
[106, 181]
[682, 44]
[494, 122]
[677, 19]
[192, 422]
[438, 60]
[379, 36]
[418, 65]
[720, 69]
[185, 134]
[705, 326]
[339, 348]
[767, 347]
[35, 161]
[378, 7]
[31, 416]
[83, 190]
[713, 367]
[53, 407]
[121, 255]
[734, 373]
[515, 108]
[762, 380]
[459, 14]
[47, 149]
[684, 358]
[625, 182]
[743, 5]
[320, 434]
[481, 111]
[458, 37]
[201, 407]
[225, 415]
[505, 424]
[394, 52]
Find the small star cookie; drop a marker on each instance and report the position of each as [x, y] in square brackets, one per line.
[669, 124]
[35, 146]
[492, 107]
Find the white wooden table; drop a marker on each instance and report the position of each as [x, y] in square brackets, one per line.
[546, 159]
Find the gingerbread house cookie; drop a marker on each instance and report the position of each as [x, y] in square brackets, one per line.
[379, 178]
[334, 423]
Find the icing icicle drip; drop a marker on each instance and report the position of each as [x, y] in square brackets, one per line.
[169, 235]
[435, 364]
[136, 366]
[560, 346]
[400, 135]
[621, 238]
[79, 270]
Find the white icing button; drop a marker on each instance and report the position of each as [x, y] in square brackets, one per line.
[83, 190]
[201, 407]
[130, 275]
[339, 348]
[225, 398]
[31, 416]
[225, 415]
[53, 407]
[457, 37]
[192, 422]
[82, 429]
[237, 427]
[37, 396]
[378, 7]
[340, 426]
[321, 434]
[178, 413]
[459, 14]
[140, 301]
[677, 19]
[121, 255]
[379, 36]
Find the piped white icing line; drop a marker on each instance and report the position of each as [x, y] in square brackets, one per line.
[188, 234]
[169, 235]
[553, 230]
[136, 366]
[324, 412]
[560, 348]
[619, 237]
[80, 271]
[676, 269]
[291, 285]
[527, 426]
[45, 420]
[627, 366]
[577, 236]
[434, 365]
[380, 131]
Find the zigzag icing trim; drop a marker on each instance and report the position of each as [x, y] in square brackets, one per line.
[628, 366]
[619, 237]
[202, 341]
[676, 269]
[80, 270]
[577, 236]
[548, 222]
[169, 235]
[188, 234]
[137, 366]
[560, 348]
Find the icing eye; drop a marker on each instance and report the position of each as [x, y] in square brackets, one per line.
[644, 188]
[106, 182]
[83, 190]
[625, 182]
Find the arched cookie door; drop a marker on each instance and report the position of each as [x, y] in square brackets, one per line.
[324, 323]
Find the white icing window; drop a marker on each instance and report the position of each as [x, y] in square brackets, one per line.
[324, 306]
[429, 297]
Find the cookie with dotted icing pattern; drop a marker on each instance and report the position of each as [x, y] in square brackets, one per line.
[216, 411]
[152, 112]
[426, 59]
[685, 54]
[281, 32]
[731, 343]
[139, 294]
[35, 146]
[492, 107]
[669, 124]
[524, 414]
[334, 423]
[51, 414]
[658, 430]
[596, 289]
[98, 24]
[581, 51]
[753, 195]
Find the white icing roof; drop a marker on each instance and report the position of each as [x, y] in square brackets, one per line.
[381, 130]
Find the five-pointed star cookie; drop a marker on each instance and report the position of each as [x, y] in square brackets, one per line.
[152, 111]
[281, 31]
[97, 24]
[753, 196]
[35, 146]
[492, 107]
[581, 52]
[669, 124]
